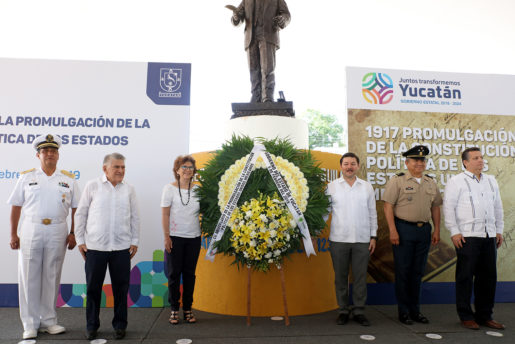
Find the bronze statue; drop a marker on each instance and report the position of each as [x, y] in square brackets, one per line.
[263, 20]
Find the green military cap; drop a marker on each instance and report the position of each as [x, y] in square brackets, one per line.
[419, 151]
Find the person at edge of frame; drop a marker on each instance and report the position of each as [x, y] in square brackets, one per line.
[45, 195]
[474, 215]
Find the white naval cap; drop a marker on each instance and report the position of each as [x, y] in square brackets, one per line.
[48, 140]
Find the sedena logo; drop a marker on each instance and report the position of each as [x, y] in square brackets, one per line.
[377, 88]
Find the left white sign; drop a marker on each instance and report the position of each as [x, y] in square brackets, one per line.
[140, 110]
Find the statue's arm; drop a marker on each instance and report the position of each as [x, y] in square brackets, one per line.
[282, 19]
[238, 15]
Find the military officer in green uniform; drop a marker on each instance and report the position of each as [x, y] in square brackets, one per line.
[411, 200]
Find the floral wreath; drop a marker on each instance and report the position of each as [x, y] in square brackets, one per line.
[261, 230]
[292, 175]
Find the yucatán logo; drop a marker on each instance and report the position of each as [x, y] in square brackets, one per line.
[169, 83]
[377, 88]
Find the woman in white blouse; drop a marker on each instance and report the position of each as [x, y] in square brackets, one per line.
[181, 229]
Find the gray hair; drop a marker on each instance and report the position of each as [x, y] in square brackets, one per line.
[113, 156]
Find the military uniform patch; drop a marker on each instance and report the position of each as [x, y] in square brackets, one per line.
[68, 174]
[24, 172]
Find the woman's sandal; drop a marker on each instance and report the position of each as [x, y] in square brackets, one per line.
[189, 317]
[174, 317]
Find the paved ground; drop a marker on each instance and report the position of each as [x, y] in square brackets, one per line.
[150, 326]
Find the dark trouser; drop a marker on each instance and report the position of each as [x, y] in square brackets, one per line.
[182, 261]
[119, 269]
[261, 59]
[343, 256]
[410, 258]
[476, 267]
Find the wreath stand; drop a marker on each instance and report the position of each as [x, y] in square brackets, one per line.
[283, 287]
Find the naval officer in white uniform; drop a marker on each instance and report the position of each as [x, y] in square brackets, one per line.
[45, 195]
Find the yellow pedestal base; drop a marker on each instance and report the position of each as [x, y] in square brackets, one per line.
[222, 288]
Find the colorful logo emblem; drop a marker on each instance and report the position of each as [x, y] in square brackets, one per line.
[377, 88]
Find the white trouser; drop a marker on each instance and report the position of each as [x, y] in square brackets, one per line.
[40, 261]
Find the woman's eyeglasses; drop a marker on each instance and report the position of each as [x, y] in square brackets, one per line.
[184, 167]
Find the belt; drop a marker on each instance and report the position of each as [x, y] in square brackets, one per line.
[417, 224]
[47, 221]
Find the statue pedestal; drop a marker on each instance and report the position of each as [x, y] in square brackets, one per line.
[267, 120]
[262, 109]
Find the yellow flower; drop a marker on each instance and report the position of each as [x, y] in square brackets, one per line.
[245, 238]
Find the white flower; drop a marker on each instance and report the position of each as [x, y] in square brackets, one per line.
[248, 214]
[245, 254]
[253, 234]
[273, 233]
[287, 237]
[252, 243]
[293, 223]
[277, 253]
[263, 218]
[268, 255]
[269, 242]
[270, 260]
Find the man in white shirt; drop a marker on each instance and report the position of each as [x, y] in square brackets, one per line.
[474, 216]
[107, 233]
[46, 196]
[353, 237]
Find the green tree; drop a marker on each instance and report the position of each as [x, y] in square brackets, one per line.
[324, 129]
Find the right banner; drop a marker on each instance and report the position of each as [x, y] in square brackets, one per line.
[389, 111]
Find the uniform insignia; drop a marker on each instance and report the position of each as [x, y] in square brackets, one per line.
[409, 188]
[68, 174]
[64, 185]
[400, 174]
[427, 175]
[32, 169]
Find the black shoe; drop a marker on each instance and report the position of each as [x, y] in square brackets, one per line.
[90, 335]
[343, 318]
[361, 319]
[119, 333]
[405, 319]
[420, 318]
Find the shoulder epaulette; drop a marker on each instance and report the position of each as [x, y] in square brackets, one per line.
[400, 174]
[32, 169]
[68, 174]
[427, 175]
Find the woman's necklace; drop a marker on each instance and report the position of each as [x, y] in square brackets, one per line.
[189, 191]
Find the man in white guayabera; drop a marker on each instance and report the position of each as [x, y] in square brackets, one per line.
[353, 237]
[108, 235]
[474, 215]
